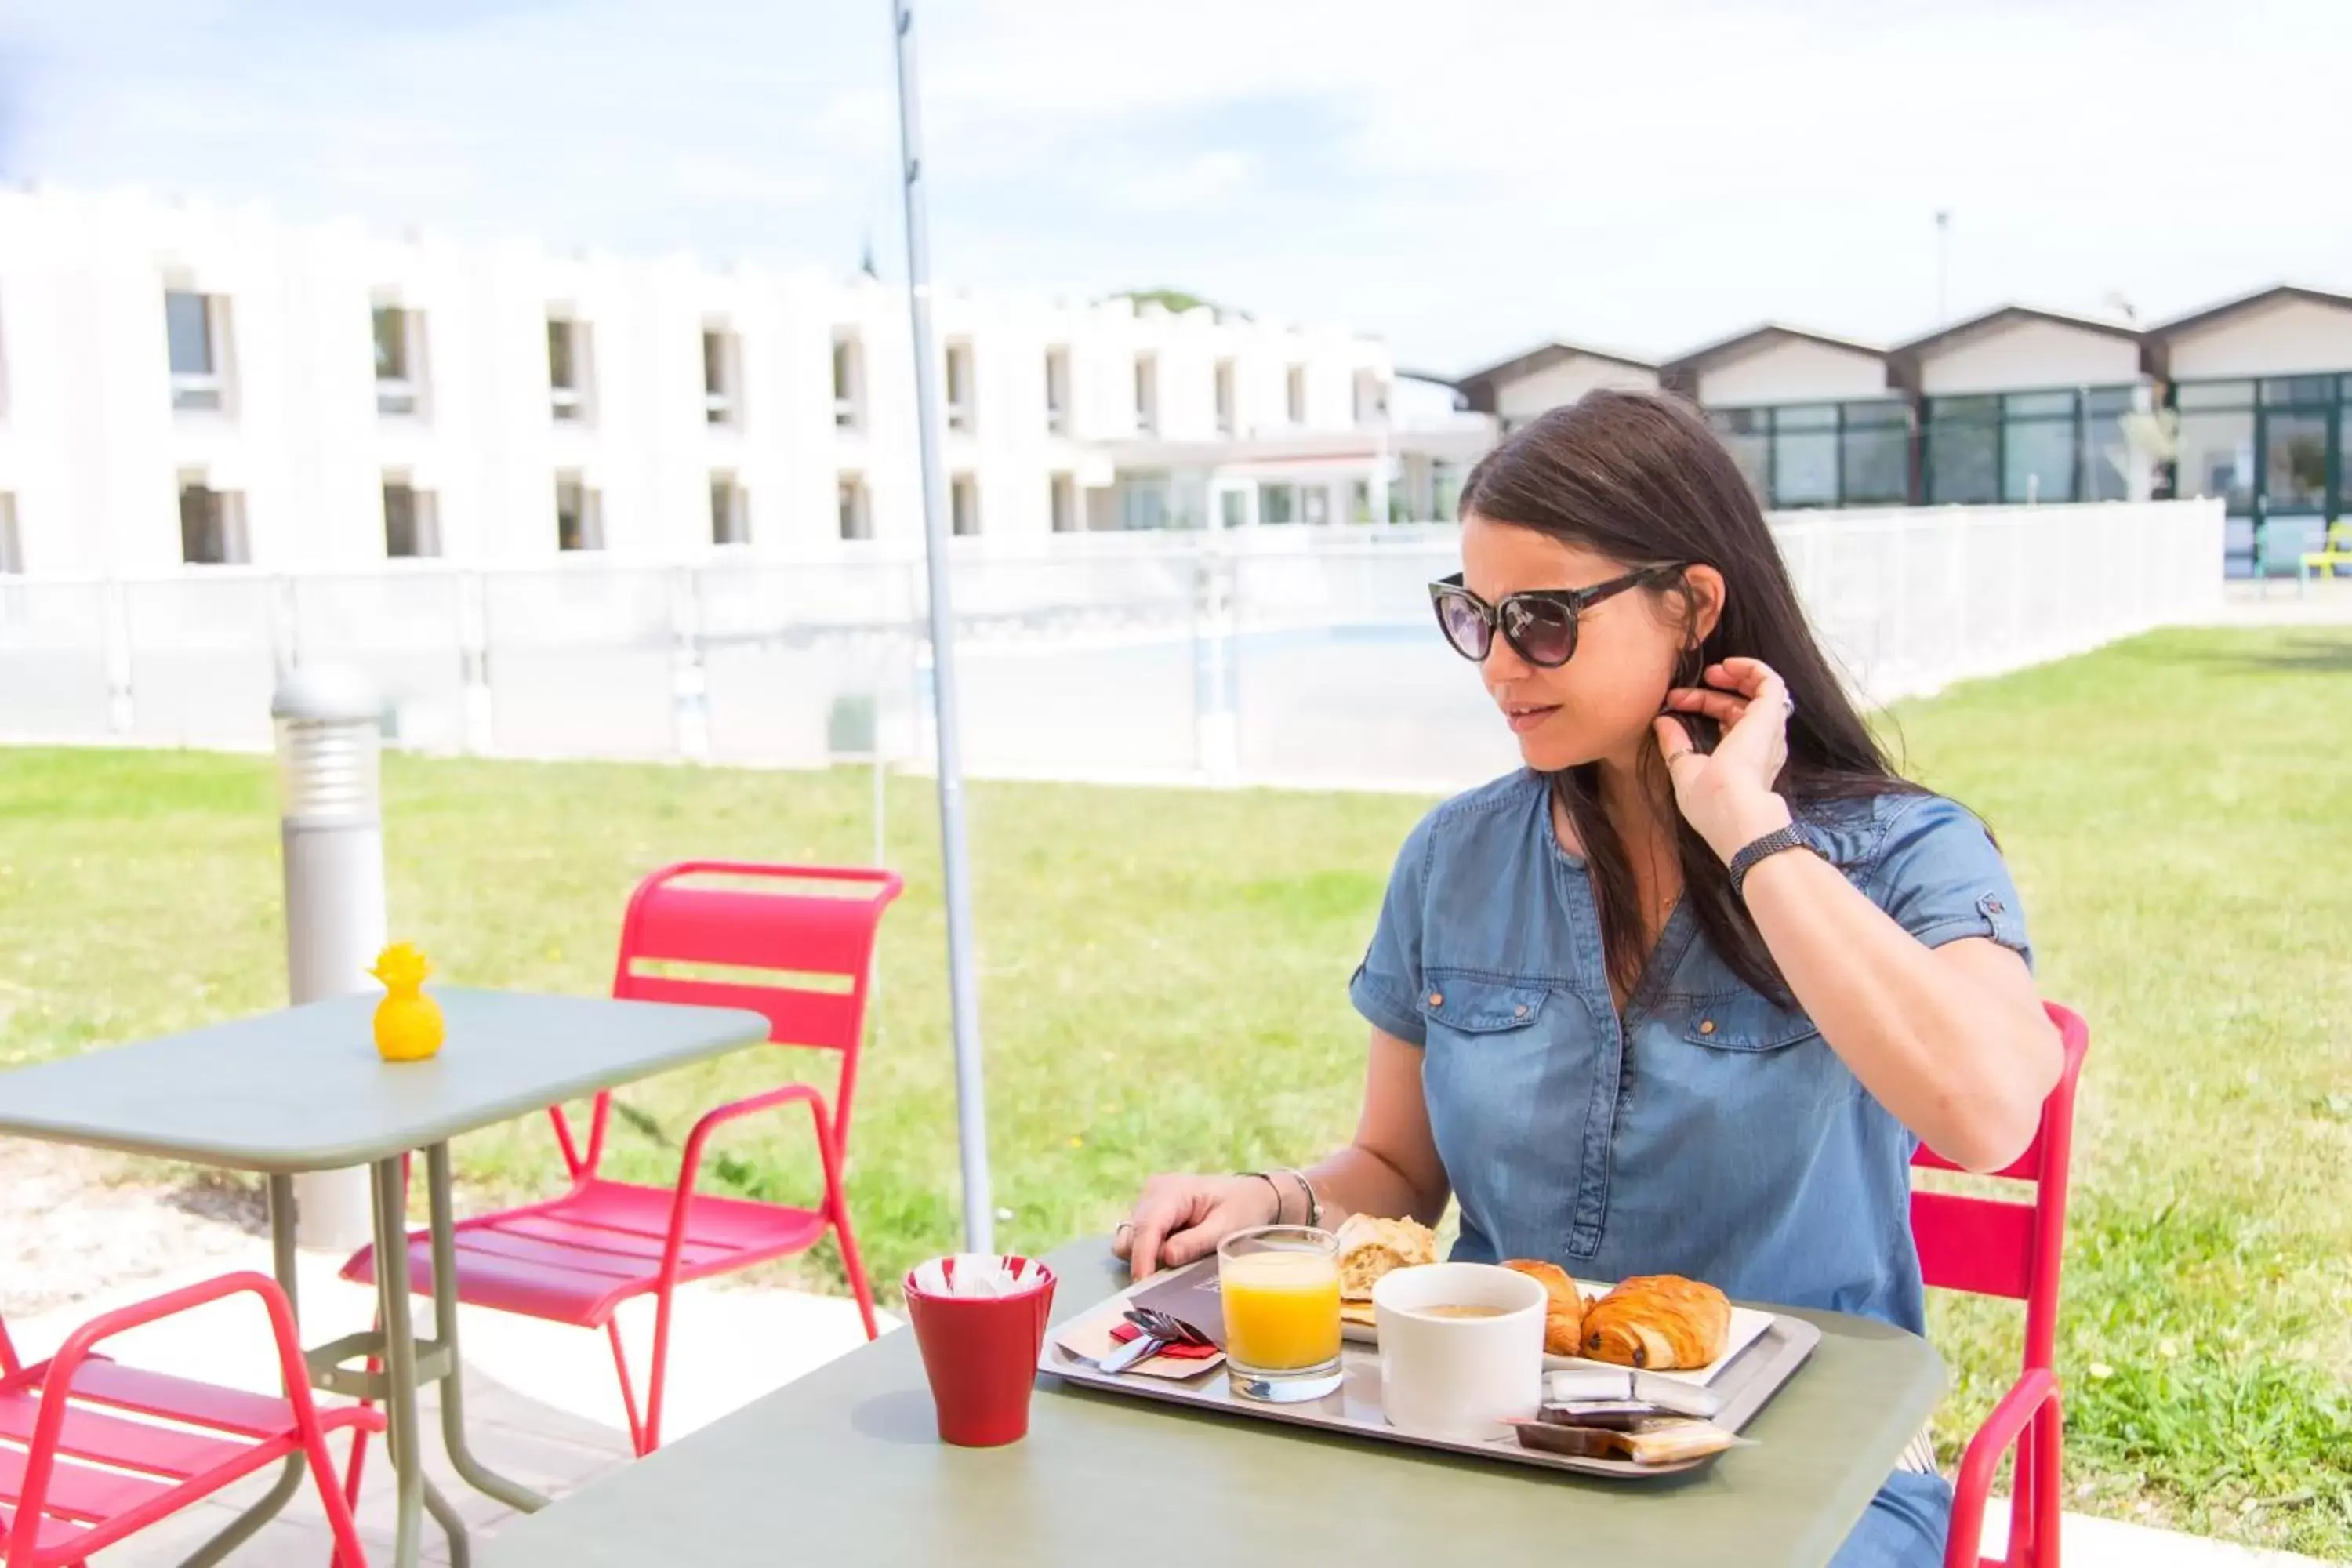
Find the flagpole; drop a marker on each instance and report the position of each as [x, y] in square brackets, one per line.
[963, 988]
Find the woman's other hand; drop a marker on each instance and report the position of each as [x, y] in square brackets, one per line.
[1178, 1219]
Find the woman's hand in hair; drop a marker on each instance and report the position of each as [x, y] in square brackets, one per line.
[1728, 793]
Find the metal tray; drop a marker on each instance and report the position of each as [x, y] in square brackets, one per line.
[1747, 1384]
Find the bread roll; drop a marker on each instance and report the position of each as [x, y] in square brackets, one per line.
[1370, 1246]
[1564, 1316]
[1662, 1321]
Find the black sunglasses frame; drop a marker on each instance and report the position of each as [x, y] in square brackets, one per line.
[1570, 602]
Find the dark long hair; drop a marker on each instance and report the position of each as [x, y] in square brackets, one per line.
[1641, 478]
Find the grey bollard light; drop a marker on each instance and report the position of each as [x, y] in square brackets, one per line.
[330, 727]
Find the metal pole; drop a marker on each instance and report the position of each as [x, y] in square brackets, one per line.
[1943, 266]
[331, 799]
[963, 989]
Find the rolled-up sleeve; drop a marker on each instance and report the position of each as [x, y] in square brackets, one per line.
[1387, 986]
[1939, 875]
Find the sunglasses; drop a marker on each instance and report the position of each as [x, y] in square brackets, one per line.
[1540, 624]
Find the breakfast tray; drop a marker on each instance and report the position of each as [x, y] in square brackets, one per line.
[1747, 1383]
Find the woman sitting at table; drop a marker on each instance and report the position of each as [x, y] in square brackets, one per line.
[1682, 995]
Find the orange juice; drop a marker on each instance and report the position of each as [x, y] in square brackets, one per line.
[1282, 1308]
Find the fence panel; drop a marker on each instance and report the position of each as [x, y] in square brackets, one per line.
[204, 654]
[582, 663]
[54, 682]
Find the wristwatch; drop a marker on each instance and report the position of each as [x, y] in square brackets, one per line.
[1777, 841]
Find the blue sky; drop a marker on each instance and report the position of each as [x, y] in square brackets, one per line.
[1462, 178]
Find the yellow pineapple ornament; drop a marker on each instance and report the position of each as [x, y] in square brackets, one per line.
[408, 1023]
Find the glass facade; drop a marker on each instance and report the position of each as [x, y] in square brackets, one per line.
[2275, 451]
[1821, 453]
[2026, 447]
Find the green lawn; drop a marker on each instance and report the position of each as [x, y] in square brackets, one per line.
[1163, 977]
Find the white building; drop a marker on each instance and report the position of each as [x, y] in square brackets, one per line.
[188, 383]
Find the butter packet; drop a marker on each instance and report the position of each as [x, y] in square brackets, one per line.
[1668, 1441]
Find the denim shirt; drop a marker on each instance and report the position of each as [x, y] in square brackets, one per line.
[1708, 1131]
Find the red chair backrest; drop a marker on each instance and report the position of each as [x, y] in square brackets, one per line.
[796, 944]
[1994, 1247]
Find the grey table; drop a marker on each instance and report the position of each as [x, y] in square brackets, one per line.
[845, 1466]
[303, 1090]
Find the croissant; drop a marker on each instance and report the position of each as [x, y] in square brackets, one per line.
[1564, 1317]
[1658, 1320]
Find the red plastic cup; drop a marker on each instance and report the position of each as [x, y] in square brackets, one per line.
[981, 1356]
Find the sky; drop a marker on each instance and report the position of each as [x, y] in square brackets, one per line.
[1463, 178]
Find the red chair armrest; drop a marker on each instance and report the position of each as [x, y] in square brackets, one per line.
[58, 1373]
[2000, 1433]
[690, 1166]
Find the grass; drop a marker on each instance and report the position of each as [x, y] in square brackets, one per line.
[1163, 975]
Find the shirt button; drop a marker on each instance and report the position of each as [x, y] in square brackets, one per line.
[1437, 998]
[1520, 1011]
[1707, 1026]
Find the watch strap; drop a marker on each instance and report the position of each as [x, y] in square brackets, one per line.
[1778, 841]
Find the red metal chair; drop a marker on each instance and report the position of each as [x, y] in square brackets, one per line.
[1996, 1248]
[796, 944]
[86, 1457]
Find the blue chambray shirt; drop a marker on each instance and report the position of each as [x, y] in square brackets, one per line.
[1710, 1132]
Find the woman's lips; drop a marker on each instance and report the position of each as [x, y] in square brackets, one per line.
[1523, 720]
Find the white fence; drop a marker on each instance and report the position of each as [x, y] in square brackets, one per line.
[1304, 657]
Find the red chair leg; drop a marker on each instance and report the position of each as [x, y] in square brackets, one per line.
[628, 1388]
[664, 1300]
[855, 1268]
[2047, 1483]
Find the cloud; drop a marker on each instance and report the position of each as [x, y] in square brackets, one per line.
[1197, 183]
[1461, 177]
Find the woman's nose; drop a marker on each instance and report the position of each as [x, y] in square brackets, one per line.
[1503, 664]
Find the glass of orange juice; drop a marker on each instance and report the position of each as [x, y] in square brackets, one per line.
[1280, 1285]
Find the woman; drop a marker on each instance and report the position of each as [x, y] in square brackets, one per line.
[1685, 994]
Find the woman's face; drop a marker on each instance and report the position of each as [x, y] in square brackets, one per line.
[1598, 706]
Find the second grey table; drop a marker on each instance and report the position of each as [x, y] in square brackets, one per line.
[302, 1090]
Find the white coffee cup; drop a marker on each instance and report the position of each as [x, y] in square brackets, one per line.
[1460, 1378]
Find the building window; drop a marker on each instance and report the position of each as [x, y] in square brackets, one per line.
[1805, 456]
[1062, 504]
[1875, 455]
[212, 524]
[1147, 394]
[722, 377]
[731, 511]
[1747, 433]
[578, 515]
[1359, 502]
[856, 510]
[1224, 397]
[1233, 509]
[1821, 453]
[848, 386]
[963, 506]
[399, 360]
[1057, 391]
[2028, 447]
[1294, 394]
[1371, 397]
[1313, 505]
[571, 373]
[2216, 451]
[962, 400]
[1143, 501]
[412, 524]
[197, 328]
[1277, 503]
[12, 543]
[1445, 490]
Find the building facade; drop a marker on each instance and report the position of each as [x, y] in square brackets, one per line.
[186, 385]
[2249, 402]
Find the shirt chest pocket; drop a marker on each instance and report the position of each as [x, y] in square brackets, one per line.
[1742, 1021]
[1473, 1005]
